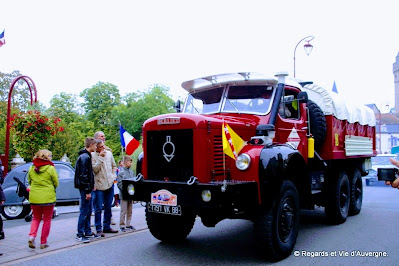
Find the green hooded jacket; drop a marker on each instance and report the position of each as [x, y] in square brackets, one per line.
[42, 185]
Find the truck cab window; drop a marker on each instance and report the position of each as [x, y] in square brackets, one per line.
[289, 107]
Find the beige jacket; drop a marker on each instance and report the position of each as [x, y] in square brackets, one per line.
[104, 169]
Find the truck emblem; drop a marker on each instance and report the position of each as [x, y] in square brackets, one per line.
[168, 156]
[168, 121]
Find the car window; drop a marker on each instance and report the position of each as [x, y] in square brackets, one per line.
[64, 172]
[382, 160]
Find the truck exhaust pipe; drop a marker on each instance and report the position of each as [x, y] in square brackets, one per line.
[279, 93]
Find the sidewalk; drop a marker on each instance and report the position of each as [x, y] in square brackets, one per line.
[62, 234]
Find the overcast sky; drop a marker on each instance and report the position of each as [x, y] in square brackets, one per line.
[67, 46]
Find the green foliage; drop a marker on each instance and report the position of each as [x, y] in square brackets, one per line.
[32, 132]
[20, 94]
[64, 133]
[99, 101]
[141, 106]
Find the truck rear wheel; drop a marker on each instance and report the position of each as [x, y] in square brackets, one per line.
[276, 228]
[318, 124]
[337, 207]
[170, 228]
[356, 187]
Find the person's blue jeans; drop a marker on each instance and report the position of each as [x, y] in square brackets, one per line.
[103, 198]
[84, 216]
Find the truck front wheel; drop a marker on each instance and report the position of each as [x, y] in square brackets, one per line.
[170, 228]
[276, 228]
[338, 199]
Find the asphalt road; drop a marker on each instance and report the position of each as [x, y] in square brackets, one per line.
[369, 238]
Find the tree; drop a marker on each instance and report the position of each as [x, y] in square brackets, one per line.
[99, 101]
[20, 94]
[63, 105]
[141, 106]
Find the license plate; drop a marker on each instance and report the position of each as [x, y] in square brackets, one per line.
[165, 209]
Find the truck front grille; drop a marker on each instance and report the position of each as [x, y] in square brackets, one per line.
[218, 156]
[170, 155]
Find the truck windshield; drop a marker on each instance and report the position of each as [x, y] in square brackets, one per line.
[204, 102]
[249, 99]
[240, 99]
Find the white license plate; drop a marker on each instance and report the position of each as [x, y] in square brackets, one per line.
[165, 209]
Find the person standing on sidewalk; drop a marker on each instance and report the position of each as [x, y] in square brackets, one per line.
[2, 200]
[126, 205]
[84, 181]
[104, 168]
[43, 180]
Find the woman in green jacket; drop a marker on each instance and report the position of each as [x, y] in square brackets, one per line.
[43, 180]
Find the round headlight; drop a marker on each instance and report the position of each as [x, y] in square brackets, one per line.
[206, 195]
[130, 189]
[243, 161]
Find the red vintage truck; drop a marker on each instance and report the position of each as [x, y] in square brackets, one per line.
[304, 148]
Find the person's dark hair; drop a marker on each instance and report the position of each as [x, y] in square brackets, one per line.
[89, 141]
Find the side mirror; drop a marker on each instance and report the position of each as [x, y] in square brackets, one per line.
[177, 106]
[303, 97]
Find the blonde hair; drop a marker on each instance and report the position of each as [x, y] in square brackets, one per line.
[43, 154]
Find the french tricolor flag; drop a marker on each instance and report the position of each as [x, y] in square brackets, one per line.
[128, 141]
[2, 39]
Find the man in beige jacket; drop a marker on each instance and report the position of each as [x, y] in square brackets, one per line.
[104, 168]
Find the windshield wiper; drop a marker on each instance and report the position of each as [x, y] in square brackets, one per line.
[194, 107]
[233, 105]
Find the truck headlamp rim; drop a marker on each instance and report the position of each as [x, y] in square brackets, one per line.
[130, 189]
[243, 161]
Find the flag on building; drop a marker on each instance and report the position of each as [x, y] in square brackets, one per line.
[232, 143]
[334, 88]
[128, 141]
[2, 39]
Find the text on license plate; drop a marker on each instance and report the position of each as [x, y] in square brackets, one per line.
[174, 210]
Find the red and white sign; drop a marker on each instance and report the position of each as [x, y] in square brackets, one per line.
[293, 138]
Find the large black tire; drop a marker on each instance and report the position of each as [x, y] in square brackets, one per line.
[356, 188]
[276, 228]
[318, 124]
[338, 199]
[15, 211]
[170, 228]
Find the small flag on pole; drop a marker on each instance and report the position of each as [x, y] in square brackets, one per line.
[232, 143]
[2, 39]
[334, 88]
[128, 141]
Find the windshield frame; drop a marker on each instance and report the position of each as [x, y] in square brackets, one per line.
[224, 99]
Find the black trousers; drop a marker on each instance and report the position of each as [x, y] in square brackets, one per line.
[1, 225]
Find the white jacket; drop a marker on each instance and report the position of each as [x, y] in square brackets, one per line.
[104, 169]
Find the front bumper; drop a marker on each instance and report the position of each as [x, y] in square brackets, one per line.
[229, 196]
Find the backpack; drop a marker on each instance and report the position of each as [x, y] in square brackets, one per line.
[21, 189]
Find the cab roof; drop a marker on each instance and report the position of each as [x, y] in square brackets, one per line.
[238, 78]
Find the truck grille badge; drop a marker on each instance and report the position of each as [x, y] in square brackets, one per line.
[168, 156]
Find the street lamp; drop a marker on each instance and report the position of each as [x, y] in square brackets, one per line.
[308, 47]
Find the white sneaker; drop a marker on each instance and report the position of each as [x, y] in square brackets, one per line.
[31, 242]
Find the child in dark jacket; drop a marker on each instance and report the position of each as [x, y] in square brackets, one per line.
[126, 205]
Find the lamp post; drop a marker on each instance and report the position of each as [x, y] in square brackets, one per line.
[308, 47]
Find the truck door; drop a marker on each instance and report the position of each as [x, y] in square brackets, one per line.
[291, 124]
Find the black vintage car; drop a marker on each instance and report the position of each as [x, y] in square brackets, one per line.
[16, 207]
